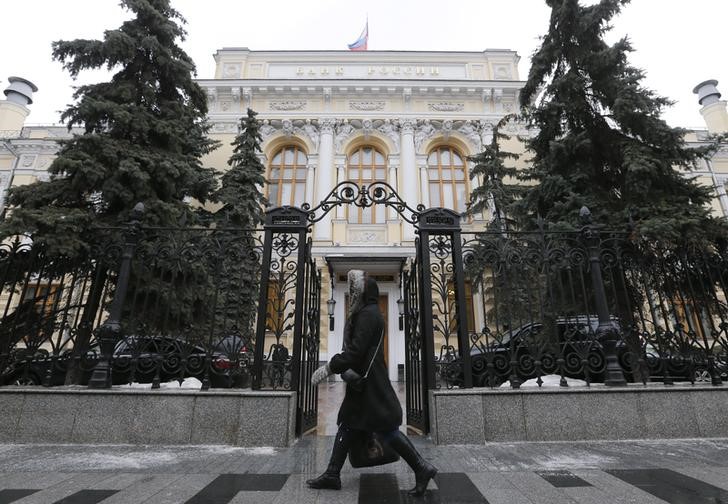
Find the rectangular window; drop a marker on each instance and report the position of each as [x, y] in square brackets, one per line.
[275, 307]
[46, 297]
[468, 304]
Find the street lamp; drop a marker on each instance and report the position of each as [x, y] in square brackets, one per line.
[330, 305]
[400, 308]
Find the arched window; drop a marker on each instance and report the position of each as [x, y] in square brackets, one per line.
[364, 166]
[287, 177]
[448, 179]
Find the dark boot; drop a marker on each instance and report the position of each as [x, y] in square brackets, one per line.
[424, 471]
[330, 479]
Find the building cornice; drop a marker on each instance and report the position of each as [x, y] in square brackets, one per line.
[360, 55]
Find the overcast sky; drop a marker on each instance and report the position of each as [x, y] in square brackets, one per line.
[679, 43]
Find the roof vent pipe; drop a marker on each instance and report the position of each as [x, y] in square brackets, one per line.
[20, 91]
[707, 92]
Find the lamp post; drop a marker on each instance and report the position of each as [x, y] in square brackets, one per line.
[400, 309]
[330, 305]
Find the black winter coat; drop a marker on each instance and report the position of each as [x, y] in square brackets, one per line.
[376, 408]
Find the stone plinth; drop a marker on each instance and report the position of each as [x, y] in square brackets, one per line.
[171, 417]
[476, 416]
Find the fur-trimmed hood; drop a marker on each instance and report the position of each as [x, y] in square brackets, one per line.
[363, 290]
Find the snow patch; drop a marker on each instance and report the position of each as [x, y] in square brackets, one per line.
[148, 458]
[548, 381]
[261, 450]
[132, 460]
[575, 461]
[187, 383]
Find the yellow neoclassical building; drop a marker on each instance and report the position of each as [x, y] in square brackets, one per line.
[410, 119]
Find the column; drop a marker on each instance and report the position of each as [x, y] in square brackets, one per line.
[392, 180]
[409, 173]
[341, 176]
[310, 182]
[722, 197]
[4, 186]
[324, 177]
[424, 184]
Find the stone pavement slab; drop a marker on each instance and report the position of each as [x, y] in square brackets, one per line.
[689, 471]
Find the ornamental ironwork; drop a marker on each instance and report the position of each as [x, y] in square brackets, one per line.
[365, 196]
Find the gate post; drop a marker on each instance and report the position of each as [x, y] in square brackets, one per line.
[287, 221]
[443, 222]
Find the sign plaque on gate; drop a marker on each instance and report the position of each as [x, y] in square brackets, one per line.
[286, 217]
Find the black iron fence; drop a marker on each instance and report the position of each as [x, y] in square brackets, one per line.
[234, 309]
[591, 305]
[147, 305]
[50, 308]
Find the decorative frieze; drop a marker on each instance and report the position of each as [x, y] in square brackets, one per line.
[390, 130]
[446, 107]
[288, 127]
[224, 127]
[425, 131]
[27, 160]
[343, 131]
[502, 72]
[371, 235]
[212, 94]
[287, 105]
[235, 94]
[366, 105]
[231, 71]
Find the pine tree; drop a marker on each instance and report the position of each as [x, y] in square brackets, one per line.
[240, 194]
[498, 190]
[144, 134]
[601, 142]
[242, 208]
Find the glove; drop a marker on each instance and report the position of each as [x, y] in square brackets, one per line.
[320, 374]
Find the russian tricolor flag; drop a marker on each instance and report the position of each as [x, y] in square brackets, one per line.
[361, 42]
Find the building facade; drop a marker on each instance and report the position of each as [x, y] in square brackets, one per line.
[410, 119]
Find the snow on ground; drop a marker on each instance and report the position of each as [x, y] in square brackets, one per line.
[125, 457]
[548, 381]
[187, 383]
[575, 460]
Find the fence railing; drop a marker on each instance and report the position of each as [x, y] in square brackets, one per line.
[564, 304]
[154, 305]
[146, 305]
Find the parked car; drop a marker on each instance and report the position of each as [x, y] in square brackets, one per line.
[140, 359]
[536, 353]
[583, 356]
[688, 365]
[232, 362]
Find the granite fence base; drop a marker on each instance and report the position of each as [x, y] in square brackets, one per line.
[476, 416]
[171, 417]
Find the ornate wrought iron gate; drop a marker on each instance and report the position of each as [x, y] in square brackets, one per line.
[290, 287]
[287, 332]
[436, 331]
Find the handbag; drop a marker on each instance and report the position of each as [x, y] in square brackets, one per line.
[354, 379]
[367, 449]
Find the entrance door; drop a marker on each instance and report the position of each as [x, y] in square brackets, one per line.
[384, 310]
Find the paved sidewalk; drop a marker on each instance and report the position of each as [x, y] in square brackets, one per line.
[642, 472]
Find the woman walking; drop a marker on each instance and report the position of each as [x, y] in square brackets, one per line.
[375, 408]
